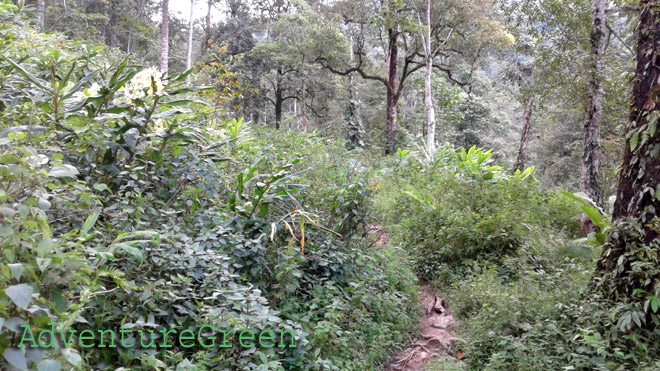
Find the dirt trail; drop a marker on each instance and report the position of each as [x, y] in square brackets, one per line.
[435, 338]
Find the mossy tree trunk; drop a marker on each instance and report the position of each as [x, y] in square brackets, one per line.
[393, 91]
[590, 179]
[630, 257]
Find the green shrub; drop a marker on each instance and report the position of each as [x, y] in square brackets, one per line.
[538, 310]
[509, 299]
[121, 206]
[464, 209]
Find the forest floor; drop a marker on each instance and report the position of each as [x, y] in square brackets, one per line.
[435, 337]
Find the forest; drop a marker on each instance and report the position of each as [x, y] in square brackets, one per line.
[329, 185]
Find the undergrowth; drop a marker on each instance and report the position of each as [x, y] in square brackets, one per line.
[126, 202]
[507, 256]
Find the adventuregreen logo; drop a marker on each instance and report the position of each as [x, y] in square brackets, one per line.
[205, 337]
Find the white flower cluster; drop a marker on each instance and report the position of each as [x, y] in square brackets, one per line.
[160, 126]
[80, 95]
[141, 85]
[92, 90]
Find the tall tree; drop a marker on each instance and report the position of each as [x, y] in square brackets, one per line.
[428, 74]
[190, 38]
[403, 50]
[354, 130]
[523, 78]
[392, 84]
[638, 195]
[287, 54]
[111, 34]
[41, 14]
[589, 180]
[207, 26]
[523, 151]
[165, 37]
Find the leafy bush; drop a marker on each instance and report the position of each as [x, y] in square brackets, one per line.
[511, 299]
[465, 209]
[120, 206]
[539, 308]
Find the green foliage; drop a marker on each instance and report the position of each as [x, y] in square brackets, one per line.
[120, 206]
[537, 311]
[514, 298]
[462, 208]
[500, 249]
[597, 216]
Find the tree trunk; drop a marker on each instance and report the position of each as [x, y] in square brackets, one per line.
[207, 29]
[112, 30]
[190, 39]
[164, 37]
[303, 100]
[303, 111]
[278, 111]
[521, 163]
[428, 93]
[41, 11]
[392, 91]
[638, 193]
[353, 124]
[279, 100]
[590, 180]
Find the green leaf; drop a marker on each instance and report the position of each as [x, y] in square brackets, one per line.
[634, 139]
[181, 76]
[263, 210]
[20, 294]
[6, 211]
[72, 356]
[595, 216]
[183, 102]
[101, 187]
[44, 204]
[653, 123]
[190, 89]
[62, 171]
[16, 270]
[89, 223]
[9, 159]
[28, 76]
[49, 365]
[66, 78]
[120, 68]
[135, 252]
[80, 83]
[171, 112]
[16, 358]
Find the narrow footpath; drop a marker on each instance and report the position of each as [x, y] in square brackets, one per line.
[435, 338]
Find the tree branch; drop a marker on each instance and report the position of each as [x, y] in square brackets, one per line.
[620, 39]
[314, 111]
[621, 9]
[324, 63]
